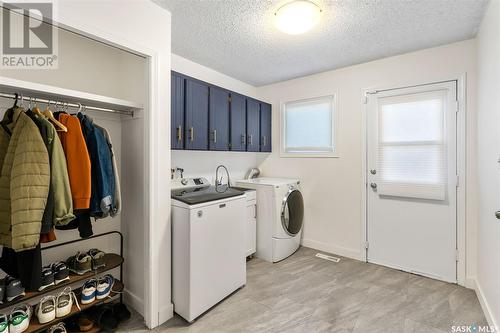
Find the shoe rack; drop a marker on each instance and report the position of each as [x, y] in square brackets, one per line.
[112, 261]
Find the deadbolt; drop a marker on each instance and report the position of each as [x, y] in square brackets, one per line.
[373, 185]
[373, 171]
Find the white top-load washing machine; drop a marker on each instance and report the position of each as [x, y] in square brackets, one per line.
[208, 245]
[280, 213]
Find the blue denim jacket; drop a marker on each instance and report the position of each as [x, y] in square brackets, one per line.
[103, 178]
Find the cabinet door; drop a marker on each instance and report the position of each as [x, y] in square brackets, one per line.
[219, 119]
[253, 125]
[177, 112]
[265, 127]
[238, 123]
[196, 131]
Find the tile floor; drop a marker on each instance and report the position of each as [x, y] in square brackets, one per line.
[306, 294]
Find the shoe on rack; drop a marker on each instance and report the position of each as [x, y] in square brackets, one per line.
[64, 302]
[79, 323]
[97, 258]
[103, 317]
[4, 323]
[13, 288]
[57, 328]
[46, 309]
[88, 291]
[121, 312]
[19, 318]
[104, 285]
[61, 271]
[47, 278]
[80, 263]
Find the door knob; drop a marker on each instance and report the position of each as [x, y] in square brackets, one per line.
[497, 214]
[373, 185]
[373, 171]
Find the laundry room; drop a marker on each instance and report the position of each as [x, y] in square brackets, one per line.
[249, 166]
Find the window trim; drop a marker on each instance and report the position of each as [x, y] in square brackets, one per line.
[335, 122]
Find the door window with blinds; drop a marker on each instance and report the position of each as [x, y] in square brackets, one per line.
[308, 128]
[411, 156]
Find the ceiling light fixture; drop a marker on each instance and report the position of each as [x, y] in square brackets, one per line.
[297, 17]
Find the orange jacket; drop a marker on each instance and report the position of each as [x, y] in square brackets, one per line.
[78, 160]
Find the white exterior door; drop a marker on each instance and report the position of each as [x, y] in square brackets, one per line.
[412, 179]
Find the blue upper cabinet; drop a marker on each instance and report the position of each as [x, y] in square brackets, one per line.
[196, 124]
[177, 112]
[265, 127]
[238, 125]
[253, 125]
[219, 119]
[207, 117]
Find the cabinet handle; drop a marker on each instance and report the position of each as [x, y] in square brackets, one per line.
[243, 139]
[255, 211]
[179, 133]
[215, 136]
[250, 137]
[264, 140]
[191, 134]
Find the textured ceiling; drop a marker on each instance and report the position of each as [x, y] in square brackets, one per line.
[238, 38]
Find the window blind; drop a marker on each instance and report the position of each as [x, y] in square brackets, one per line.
[411, 154]
[308, 125]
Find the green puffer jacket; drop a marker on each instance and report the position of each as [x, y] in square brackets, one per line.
[24, 181]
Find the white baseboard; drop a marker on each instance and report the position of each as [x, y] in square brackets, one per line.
[470, 282]
[485, 306]
[134, 301]
[326, 247]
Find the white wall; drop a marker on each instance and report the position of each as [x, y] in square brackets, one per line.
[203, 163]
[332, 186]
[488, 144]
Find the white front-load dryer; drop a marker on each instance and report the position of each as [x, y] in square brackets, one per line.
[280, 212]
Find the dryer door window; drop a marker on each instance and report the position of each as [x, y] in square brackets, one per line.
[292, 212]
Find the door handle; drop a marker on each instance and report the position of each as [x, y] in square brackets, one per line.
[191, 134]
[215, 136]
[264, 140]
[250, 137]
[373, 186]
[179, 133]
[497, 214]
[243, 139]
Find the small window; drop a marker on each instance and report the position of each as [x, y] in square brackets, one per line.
[308, 128]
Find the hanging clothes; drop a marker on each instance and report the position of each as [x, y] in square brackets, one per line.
[79, 171]
[49, 206]
[103, 179]
[117, 197]
[24, 186]
[63, 203]
[78, 161]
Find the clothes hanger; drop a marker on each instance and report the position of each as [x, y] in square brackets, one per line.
[50, 116]
[36, 109]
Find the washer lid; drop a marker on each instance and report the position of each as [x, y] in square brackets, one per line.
[203, 194]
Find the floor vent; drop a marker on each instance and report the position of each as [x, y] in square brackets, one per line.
[327, 257]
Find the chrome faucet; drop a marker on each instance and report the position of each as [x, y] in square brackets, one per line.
[218, 181]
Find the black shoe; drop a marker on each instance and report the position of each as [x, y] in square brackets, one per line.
[61, 272]
[121, 312]
[47, 278]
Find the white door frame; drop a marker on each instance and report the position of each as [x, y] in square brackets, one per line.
[461, 80]
[155, 120]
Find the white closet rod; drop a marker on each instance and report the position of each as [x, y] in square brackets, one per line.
[65, 104]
